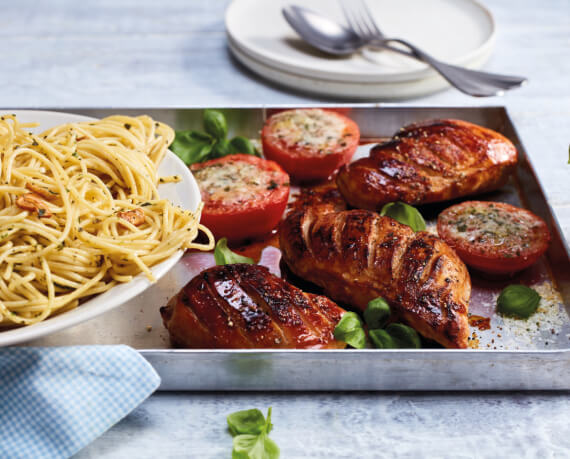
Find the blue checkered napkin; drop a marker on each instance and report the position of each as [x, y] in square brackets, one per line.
[54, 401]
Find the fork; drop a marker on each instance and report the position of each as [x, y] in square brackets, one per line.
[472, 82]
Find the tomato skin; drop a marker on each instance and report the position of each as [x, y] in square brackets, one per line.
[305, 164]
[253, 217]
[517, 250]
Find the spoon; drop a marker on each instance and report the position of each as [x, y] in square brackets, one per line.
[333, 38]
[322, 32]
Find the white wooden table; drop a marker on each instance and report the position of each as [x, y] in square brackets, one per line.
[135, 53]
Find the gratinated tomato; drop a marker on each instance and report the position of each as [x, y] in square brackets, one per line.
[494, 237]
[310, 143]
[244, 196]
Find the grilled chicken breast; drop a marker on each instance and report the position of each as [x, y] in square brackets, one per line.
[356, 256]
[429, 162]
[245, 306]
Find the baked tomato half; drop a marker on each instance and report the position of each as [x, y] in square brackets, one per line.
[244, 196]
[310, 143]
[494, 237]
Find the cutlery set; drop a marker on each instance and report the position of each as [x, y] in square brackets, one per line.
[362, 32]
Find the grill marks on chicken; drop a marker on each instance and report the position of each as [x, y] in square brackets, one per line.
[429, 162]
[356, 256]
[245, 306]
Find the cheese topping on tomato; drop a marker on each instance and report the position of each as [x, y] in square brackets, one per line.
[492, 226]
[235, 182]
[314, 129]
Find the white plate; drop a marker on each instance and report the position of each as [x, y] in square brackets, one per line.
[456, 31]
[341, 89]
[184, 194]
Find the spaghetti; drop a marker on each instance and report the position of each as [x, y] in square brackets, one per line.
[80, 212]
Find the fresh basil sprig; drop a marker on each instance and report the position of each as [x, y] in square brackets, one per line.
[404, 214]
[246, 422]
[251, 430]
[192, 146]
[224, 256]
[518, 300]
[197, 146]
[403, 337]
[215, 124]
[349, 329]
[394, 336]
[240, 144]
[377, 313]
[380, 339]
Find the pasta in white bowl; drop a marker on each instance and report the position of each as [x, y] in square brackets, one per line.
[87, 206]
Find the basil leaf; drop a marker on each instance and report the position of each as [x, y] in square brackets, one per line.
[215, 124]
[271, 448]
[249, 447]
[192, 146]
[254, 447]
[250, 422]
[381, 339]
[195, 147]
[404, 214]
[220, 148]
[224, 256]
[243, 145]
[349, 329]
[395, 336]
[518, 300]
[377, 313]
[404, 337]
[251, 430]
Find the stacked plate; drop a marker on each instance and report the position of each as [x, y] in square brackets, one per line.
[460, 32]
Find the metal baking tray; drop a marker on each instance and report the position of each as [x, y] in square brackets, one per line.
[512, 355]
